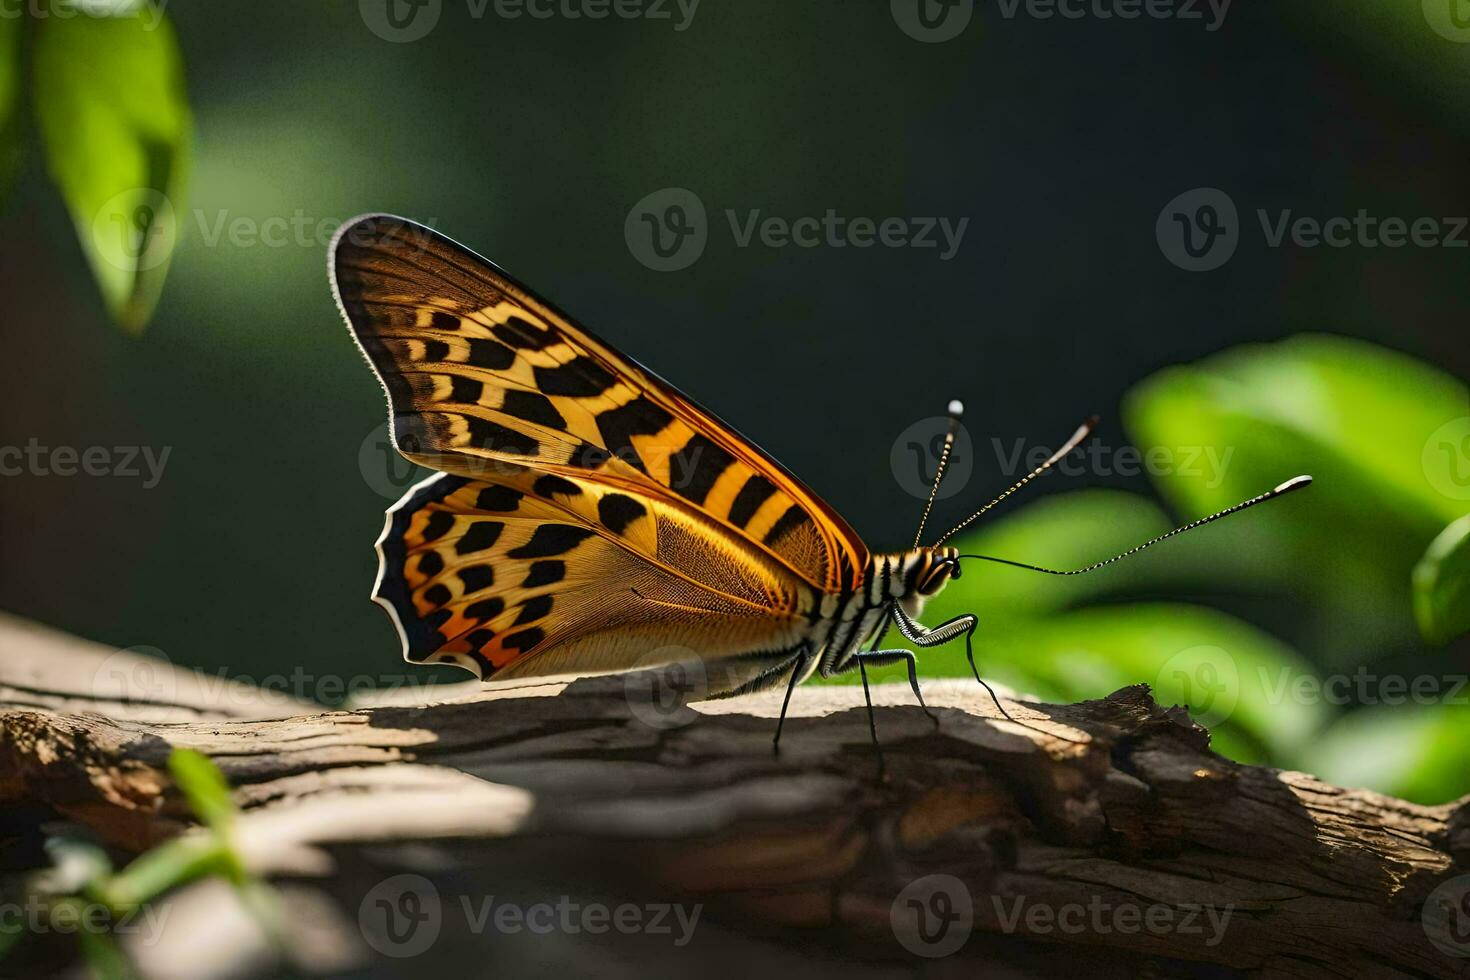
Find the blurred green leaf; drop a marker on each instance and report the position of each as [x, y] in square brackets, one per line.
[1417, 44]
[204, 786]
[115, 127]
[1413, 751]
[1366, 422]
[104, 959]
[12, 110]
[1442, 584]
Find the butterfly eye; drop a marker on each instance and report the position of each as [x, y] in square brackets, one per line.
[935, 580]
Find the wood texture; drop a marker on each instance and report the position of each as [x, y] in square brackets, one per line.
[1106, 830]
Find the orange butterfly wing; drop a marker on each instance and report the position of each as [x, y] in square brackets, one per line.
[495, 387]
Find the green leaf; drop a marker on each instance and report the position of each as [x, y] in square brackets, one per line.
[1442, 584]
[104, 959]
[12, 114]
[1410, 750]
[115, 127]
[1371, 425]
[204, 786]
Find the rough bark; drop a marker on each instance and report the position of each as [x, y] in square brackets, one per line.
[1105, 832]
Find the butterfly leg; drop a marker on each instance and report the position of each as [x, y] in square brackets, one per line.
[881, 658]
[797, 670]
[922, 636]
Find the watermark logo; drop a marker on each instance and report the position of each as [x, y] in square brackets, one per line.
[932, 21]
[914, 458]
[667, 230]
[1198, 230]
[400, 21]
[1446, 917]
[1446, 459]
[1203, 678]
[660, 688]
[933, 916]
[135, 230]
[401, 916]
[140, 673]
[404, 915]
[383, 467]
[1450, 19]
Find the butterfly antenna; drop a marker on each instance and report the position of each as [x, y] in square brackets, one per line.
[956, 410]
[1295, 483]
[1083, 431]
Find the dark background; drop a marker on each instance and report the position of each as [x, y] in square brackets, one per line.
[530, 140]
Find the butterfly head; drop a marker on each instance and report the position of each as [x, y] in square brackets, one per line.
[926, 571]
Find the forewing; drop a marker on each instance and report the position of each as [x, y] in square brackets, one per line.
[485, 378]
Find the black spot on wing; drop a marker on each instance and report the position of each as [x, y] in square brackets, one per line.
[476, 578]
[532, 407]
[436, 350]
[524, 640]
[580, 377]
[694, 469]
[550, 540]
[523, 335]
[498, 499]
[485, 609]
[489, 355]
[496, 438]
[534, 609]
[481, 536]
[437, 595]
[618, 426]
[545, 572]
[466, 391]
[549, 484]
[442, 320]
[430, 564]
[439, 524]
[616, 511]
[757, 490]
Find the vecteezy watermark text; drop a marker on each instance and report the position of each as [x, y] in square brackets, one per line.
[36, 915]
[127, 462]
[1100, 917]
[1210, 12]
[1099, 459]
[403, 915]
[668, 229]
[1200, 230]
[401, 21]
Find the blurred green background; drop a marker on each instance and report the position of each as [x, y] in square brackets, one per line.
[1321, 632]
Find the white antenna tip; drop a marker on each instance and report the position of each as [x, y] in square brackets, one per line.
[1295, 483]
[956, 408]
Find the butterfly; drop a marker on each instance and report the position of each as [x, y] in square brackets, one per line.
[587, 517]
